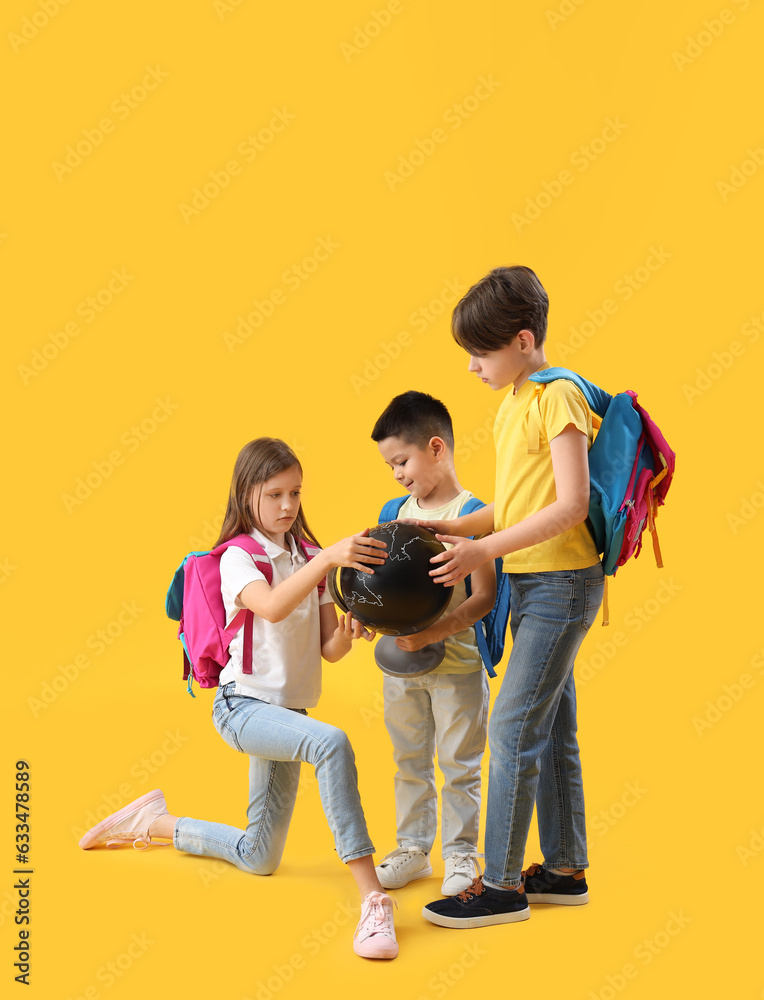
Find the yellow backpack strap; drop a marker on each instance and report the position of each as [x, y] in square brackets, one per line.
[534, 420]
[605, 606]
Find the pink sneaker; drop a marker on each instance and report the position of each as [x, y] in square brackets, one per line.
[375, 933]
[129, 825]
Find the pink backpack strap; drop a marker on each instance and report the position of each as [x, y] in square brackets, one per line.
[311, 551]
[245, 618]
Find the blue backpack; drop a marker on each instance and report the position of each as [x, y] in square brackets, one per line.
[631, 467]
[491, 630]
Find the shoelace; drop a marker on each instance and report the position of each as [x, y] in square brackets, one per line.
[399, 856]
[140, 841]
[462, 864]
[476, 889]
[534, 869]
[376, 917]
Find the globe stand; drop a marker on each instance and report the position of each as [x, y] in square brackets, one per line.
[397, 662]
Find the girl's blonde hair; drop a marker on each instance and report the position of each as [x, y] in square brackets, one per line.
[257, 462]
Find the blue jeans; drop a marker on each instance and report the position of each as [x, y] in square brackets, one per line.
[532, 729]
[277, 739]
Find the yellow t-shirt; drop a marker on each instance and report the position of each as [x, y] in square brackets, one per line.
[525, 483]
[462, 655]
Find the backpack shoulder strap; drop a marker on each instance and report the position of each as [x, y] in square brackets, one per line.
[391, 509]
[470, 506]
[597, 399]
[311, 551]
[254, 548]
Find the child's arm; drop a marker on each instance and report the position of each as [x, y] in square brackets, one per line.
[336, 639]
[571, 479]
[478, 604]
[479, 522]
[274, 604]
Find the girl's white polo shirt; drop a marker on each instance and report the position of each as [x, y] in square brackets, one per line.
[286, 655]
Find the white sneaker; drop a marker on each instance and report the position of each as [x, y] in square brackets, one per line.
[375, 934]
[129, 825]
[461, 872]
[402, 866]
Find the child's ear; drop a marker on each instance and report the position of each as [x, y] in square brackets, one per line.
[438, 447]
[527, 340]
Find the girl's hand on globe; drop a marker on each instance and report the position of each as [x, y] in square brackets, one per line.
[350, 628]
[358, 552]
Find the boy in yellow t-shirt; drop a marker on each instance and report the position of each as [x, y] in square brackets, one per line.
[537, 524]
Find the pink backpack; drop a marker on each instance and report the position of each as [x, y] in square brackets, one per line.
[194, 599]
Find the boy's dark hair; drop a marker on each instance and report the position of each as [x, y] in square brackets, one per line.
[416, 417]
[492, 313]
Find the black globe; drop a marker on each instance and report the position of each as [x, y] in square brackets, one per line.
[400, 598]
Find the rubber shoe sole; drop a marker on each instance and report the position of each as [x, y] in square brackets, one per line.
[469, 922]
[565, 899]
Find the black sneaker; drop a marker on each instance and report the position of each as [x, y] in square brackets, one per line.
[479, 906]
[543, 886]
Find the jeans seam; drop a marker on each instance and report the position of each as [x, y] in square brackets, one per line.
[264, 810]
[559, 790]
[429, 775]
[517, 755]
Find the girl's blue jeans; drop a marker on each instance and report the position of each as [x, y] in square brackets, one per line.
[532, 729]
[277, 740]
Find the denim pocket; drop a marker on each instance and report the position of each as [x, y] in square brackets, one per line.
[551, 595]
[221, 713]
[594, 590]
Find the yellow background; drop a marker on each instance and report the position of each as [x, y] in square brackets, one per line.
[666, 723]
